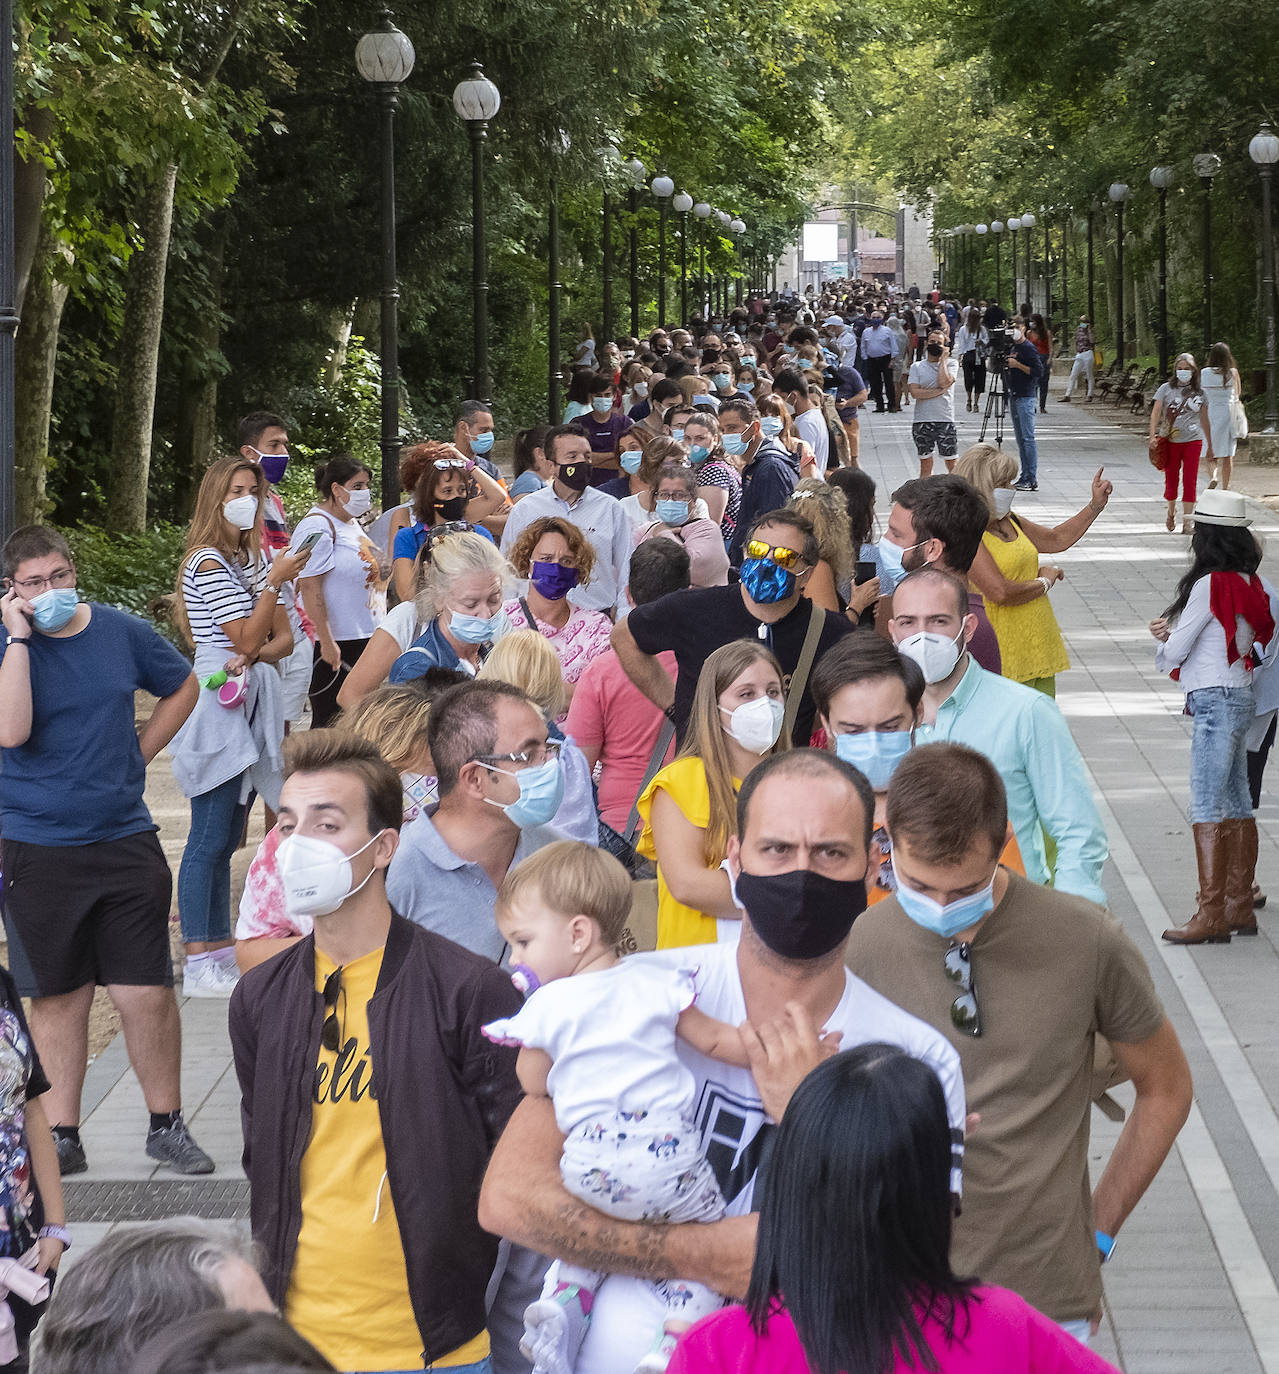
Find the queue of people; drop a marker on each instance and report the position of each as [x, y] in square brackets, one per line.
[670, 691]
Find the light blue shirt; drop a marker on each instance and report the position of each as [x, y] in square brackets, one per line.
[878, 342]
[1023, 733]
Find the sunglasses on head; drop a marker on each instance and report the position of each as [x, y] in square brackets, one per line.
[782, 556]
[443, 464]
[331, 1032]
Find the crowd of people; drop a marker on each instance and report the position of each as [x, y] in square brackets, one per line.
[679, 887]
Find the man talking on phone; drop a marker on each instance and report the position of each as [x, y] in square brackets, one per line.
[86, 885]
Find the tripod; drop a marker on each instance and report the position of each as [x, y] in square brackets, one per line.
[996, 405]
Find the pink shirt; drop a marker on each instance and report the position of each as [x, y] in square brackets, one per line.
[582, 637]
[707, 556]
[1004, 1333]
[611, 716]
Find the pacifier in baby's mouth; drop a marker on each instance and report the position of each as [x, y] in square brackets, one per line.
[525, 980]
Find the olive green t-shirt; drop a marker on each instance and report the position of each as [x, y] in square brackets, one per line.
[1051, 972]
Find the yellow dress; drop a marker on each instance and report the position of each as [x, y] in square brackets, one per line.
[1030, 643]
[685, 782]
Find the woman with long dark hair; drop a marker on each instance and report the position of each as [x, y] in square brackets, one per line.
[852, 1272]
[1207, 637]
[1222, 390]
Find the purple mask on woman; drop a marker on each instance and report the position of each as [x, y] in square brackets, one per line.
[552, 580]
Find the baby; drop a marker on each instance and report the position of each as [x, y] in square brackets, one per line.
[598, 1036]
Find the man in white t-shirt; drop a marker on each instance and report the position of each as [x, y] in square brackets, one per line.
[799, 871]
[931, 382]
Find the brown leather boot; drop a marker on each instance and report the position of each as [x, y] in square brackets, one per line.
[1208, 925]
[1241, 864]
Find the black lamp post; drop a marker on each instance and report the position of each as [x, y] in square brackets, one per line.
[477, 100]
[702, 211]
[997, 229]
[682, 204]
[8, 288]
[1092, 311]
[610, 157]
[635, 170]
[384, 58]
[1028, 223]
[1206, 166]
[1264, 151]
[739, 228]
[1014, 225]
[1065, 275]
[1161, 178]
[554, 287]
[981, 230]
[663, 188]
[1119, 194]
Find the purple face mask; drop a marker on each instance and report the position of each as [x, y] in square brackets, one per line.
[273, 465]
[552, 580]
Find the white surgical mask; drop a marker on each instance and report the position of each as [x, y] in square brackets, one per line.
[316, 874]
[935, 654]
[358, 502]
[756, 724]
[1184, 374]
[1003, 498]
[242, 512]
[640, 389]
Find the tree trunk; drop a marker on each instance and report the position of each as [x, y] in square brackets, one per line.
[36, 354]
[340, 333]
[195, 437]
[140, 358]
[29, 181]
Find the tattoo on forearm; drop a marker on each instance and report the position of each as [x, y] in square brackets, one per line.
[572, 1232]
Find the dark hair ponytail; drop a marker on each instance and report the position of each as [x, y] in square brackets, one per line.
[338, 470]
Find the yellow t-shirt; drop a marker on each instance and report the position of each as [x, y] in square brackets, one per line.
[685, 782]
[1030, 644]
[349, 1289]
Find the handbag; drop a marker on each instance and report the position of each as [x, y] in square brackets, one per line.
[1158, 452]
[1238, 419]
[1097, 359]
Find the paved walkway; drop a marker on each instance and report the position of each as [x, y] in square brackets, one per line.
[1193, 1284]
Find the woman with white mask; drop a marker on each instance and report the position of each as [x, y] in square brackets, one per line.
[228, 602]
[1180, 435]
[689, 810]
[344, 591]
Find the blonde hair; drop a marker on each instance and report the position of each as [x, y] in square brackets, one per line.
[986, 467]
[707, 739]
[394, 718]
[450, 557]
[572, 879]
[210, 529]
[827, 511]
[578, 546]
[525, 659]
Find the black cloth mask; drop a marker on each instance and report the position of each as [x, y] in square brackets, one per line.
[575, 476]
[452, 508]
[801, 914]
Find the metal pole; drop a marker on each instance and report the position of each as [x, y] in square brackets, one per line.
[1012, 234]
[606, 265]
[1163, 284]
[1268, 291]
[1030, 269]
[1092, 316]
[661, 262]
[390, 442]
[998, 261]
[479, 272]
[8, 307]
[633, 205]
[1065, 276]
[683, 267]
[703, 309]
[553, 288]
[1119, 253]
[1048, 271]
[1206, 183]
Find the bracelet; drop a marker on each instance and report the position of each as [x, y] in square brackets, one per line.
[19, 639]
[271, 587]
[53, 1232]
[1045, 584]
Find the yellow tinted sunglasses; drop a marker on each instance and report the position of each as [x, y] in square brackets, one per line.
[782, 556]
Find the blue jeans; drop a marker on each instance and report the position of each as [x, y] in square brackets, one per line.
[1219, 754]
[484, 1366]
[204, 878]
[1022, 409]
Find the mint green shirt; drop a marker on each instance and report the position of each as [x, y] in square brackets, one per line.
[1023, 733]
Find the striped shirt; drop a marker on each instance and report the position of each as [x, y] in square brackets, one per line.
[213, 596]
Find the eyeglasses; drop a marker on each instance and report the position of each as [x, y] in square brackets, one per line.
[964, 1013]
[533, 757]
[330, 1032]
[33, 586]
[782, 556]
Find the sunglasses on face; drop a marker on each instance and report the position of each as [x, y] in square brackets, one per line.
[964, 1013]
[331, 1032]
[782, 556]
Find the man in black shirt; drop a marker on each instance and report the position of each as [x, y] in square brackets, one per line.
[1023, 386]
[696, 622]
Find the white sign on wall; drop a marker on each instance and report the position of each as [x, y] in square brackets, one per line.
[821, 241]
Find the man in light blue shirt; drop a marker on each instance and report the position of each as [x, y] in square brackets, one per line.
[879, 348]
[1020, 730]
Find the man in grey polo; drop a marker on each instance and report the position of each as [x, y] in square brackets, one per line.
[500, 783]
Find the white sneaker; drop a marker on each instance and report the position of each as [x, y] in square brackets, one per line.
[207, 979]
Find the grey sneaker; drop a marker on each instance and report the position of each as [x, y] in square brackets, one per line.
[71, 1158]
[176, 1147]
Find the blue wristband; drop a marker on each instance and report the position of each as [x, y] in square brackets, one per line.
[1105, 1246]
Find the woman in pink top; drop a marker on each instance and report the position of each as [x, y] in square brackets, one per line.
[854, 1229]
[674, 503]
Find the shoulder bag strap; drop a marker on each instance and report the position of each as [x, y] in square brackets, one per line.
[799, 678]
[528, 615]
[664, 737]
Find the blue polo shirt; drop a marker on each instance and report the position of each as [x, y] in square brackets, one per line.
[79, 777]
[411, 538]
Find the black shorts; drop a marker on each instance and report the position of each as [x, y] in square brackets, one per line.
[87, 913]
[938, 434]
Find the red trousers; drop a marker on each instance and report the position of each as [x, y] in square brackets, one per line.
[1183, 458]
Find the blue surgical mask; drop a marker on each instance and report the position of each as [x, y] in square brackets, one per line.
[474, 629]
[630, 461]
[699, 453]
[771, 426]
[541, 791]
[946, 921]
[875, 754]
[735, 444]
[722, 381]
[765, 582]
[601, 405]
[678, 433]
[672, 512]
[746, 385]
[53, 608]
[890, 558]
[482, 442]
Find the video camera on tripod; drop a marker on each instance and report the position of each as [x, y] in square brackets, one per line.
[998, 349]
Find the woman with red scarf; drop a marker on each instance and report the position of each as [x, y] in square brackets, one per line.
[1211, 638]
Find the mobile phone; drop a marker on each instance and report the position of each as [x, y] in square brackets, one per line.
[863, 572]
[309, 542]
